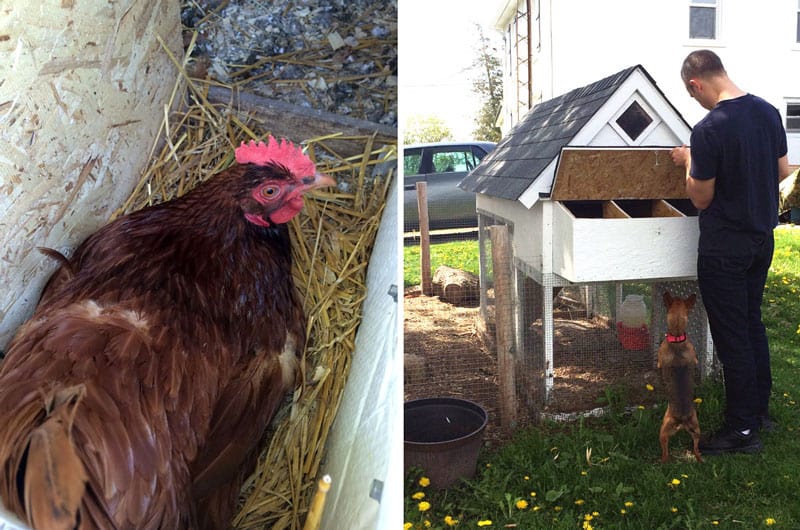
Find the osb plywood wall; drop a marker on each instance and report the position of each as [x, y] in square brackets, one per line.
[82, 92]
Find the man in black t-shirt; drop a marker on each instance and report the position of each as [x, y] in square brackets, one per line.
[737, 157]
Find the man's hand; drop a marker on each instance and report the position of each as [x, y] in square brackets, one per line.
[681, 156]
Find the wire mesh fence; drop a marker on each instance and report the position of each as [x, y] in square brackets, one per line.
[539, 346]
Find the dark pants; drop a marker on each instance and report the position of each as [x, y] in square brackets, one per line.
[732, 288]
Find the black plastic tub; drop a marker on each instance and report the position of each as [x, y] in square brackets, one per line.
[443, 437]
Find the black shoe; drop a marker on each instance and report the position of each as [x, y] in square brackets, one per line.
[731, 441]
[768, 424]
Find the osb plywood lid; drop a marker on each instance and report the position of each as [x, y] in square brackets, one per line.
[617, 173]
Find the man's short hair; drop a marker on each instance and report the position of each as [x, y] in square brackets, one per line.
[703, 64]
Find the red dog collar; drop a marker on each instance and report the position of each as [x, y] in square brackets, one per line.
[676, 338]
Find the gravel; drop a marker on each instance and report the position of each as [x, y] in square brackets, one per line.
[337, 56]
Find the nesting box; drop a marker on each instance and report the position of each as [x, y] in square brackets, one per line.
[620, 214]
[586, 188]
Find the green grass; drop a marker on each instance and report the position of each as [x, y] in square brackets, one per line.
[458, 254]
[605, 473]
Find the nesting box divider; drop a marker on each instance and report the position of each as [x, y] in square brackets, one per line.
[611, 210]
[662, 208]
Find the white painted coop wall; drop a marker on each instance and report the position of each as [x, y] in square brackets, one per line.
[365, 457]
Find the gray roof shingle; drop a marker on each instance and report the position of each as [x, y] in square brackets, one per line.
[538, 138]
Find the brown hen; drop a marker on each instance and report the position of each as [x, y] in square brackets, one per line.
[136, 395]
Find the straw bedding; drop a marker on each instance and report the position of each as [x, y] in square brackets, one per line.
[332, 241]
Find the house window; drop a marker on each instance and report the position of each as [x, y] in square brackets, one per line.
[798, 22]
[793, 117]
[634, 120]
[703, 19]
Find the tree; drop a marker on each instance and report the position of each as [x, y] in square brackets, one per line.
[489, 88]
[425, 129]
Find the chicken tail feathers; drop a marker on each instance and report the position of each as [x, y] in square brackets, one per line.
[57, 256]
[55, 477]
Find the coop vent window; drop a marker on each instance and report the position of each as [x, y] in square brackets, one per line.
[634, 120]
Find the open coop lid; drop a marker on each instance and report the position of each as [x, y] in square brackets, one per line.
[610, 173]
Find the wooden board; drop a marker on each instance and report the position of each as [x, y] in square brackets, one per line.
[300, 123]
[83, 86]
[612, 211]
[613, 173]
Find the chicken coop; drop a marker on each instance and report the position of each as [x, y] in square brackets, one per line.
[584, 222]
[103, 113]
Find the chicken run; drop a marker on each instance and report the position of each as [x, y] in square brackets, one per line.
[331, 244]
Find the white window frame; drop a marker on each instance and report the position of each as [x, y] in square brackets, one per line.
[717, 21]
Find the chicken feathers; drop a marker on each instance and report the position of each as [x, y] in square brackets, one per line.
[137, 394]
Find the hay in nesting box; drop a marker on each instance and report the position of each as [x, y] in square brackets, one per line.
[332, 241]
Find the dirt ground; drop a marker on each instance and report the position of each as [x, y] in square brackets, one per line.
[448, 354]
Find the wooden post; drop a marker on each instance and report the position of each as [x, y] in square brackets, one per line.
[424, 239]
[504, 322]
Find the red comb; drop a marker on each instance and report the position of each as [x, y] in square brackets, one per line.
[284, 153]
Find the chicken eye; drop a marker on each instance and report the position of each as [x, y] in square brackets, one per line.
[269, 192]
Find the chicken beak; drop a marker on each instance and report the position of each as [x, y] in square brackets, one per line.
[319, 180]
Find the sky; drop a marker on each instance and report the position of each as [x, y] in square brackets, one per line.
[438, 43]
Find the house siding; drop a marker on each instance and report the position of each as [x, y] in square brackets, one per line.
[582, 41]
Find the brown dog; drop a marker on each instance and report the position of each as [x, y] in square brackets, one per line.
[677, 360]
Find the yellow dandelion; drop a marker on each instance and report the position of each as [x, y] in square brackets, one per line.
[684, 475]
[584, 473]
[715, 523]
[536, 508]
[674, 509]
[640, 407]
[424, 506]
[521, 504]
[769, 521]
[418, 496]
[675, 482]
[579, 502]
[427, 523]
[649, 387]
[623, 511]
[485, 522]
[557, 508]
[588, 517]
[424, 482]
[449, 521]
[596, 514]
[698, 400]
[527, 477]
[587, 526]
[629, 504]
[408, 526]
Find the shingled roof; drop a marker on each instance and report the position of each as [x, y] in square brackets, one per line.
[538, 138]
